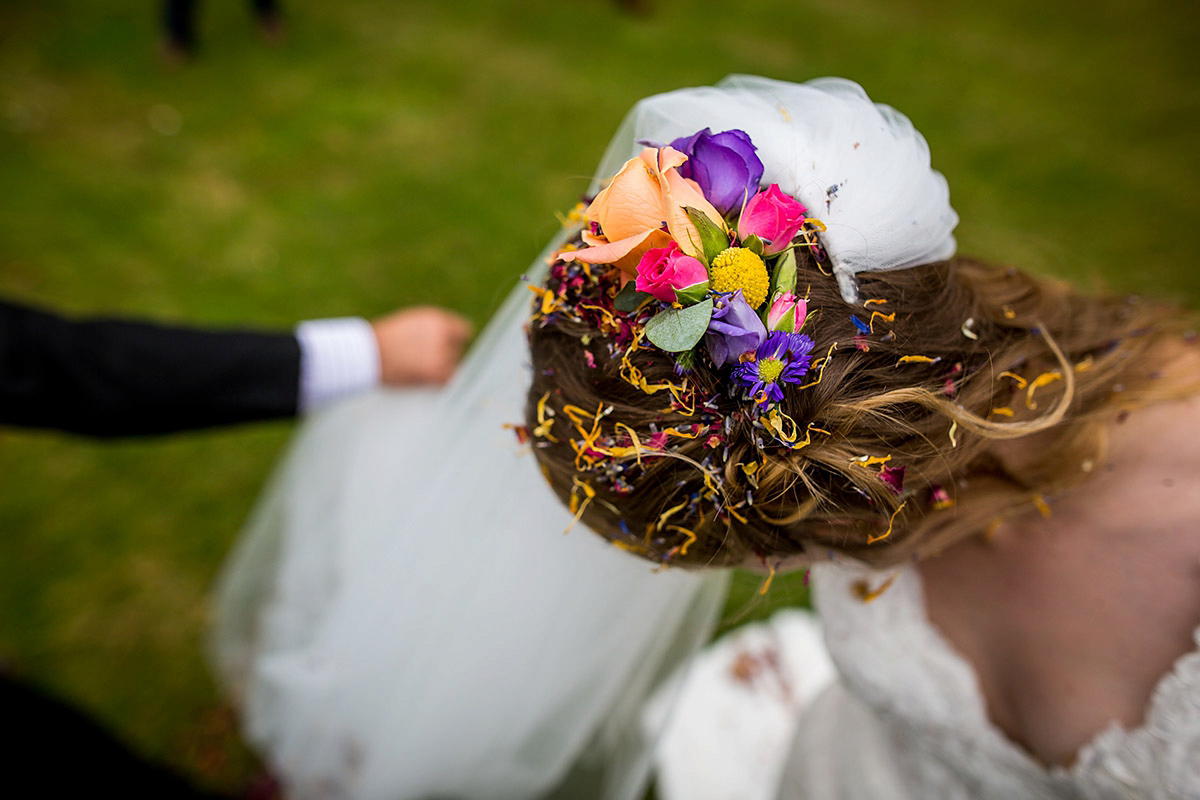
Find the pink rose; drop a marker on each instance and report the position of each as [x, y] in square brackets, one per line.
[773, 217]
[670, 275]
[787, 313]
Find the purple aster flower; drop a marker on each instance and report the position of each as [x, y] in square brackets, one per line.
[782, 358]
[725, 165]
[733, 330]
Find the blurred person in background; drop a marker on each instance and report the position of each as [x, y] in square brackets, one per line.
[180, 42]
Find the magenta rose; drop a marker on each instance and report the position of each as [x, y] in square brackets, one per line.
[670, 275]
[773, 217]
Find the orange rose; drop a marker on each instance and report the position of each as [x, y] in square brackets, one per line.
[647, 193]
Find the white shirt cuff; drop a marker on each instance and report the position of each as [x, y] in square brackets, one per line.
[338, 357]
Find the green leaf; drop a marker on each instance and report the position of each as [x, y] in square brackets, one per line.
[712, 239]
[754, 244]
[692, 294]
[678, 329]
[629, 299]
[784, 277]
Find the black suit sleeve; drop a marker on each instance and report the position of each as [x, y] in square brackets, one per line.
[112, 377]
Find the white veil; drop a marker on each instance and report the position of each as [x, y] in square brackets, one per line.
[860, 167]
[403, 617]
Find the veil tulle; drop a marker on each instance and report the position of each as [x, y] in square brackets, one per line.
[858, 166]
[403, 617]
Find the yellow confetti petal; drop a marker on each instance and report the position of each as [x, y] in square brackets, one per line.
[891, 522]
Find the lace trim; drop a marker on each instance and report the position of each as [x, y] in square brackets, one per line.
[928, 696]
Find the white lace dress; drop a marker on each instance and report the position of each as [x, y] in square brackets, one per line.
[906, 720]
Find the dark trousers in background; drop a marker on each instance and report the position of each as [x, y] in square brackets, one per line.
[179, 20]
[62, 753]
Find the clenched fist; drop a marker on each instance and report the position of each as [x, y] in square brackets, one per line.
[420, 345]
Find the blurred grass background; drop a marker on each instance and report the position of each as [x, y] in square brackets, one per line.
[394, 153]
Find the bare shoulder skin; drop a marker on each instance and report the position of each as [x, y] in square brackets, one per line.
[1071, 621]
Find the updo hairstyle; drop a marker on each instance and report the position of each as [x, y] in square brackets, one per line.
[901, 421]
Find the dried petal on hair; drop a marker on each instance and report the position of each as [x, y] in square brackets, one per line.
[588, 438]
[893, 478]
[574, 505]
[1021, 382]
[967, 329]
[608, 319]
[1041, 380]
[863, 591]
[521, 431]
[629, 547]
[891, 522]
[871, 461]
[1008, 312]
[820, 367]
[573, 217]
[637, 444]
[1039, 502]
[880, 315]
[941, 498]
[766, 584]
[917, 360]
[953, 434]
[550, 301]
[786, 430]
[1085, 364]
[670, 512]
[545, 416]
[680, 432]
[683, 548]
[863, 328]
[690, 535]
[875, 301]
[1001, 411]
[751, 471]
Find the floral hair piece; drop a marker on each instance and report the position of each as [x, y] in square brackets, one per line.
[706, 261]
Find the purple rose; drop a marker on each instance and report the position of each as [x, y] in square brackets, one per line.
[724, 164]
[733, 330]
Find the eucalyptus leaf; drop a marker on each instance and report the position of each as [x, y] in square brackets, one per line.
[712, 239]
[678, 329]
[629, 299]
[784, 277]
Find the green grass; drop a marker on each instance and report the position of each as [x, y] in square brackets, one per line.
[394, 153]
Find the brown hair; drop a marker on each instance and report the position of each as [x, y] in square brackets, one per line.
[957, 356]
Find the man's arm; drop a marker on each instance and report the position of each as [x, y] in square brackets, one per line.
[118, 377]
[112, 377]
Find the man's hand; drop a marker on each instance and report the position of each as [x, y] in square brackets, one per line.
[420, 345]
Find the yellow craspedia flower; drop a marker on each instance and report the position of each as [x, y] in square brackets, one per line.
[738, 268]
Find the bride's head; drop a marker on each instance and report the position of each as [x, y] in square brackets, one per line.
[787, 383]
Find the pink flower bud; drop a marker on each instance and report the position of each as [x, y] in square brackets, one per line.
[773, 217]
[665, 272]
[787, 313]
